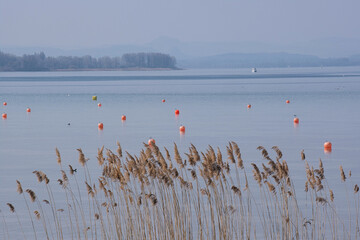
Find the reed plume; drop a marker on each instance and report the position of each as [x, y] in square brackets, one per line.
[19, 187]
[72, 170]
[37, 214]
[31, 194]
[342, 173]
[12, 208]
[356, 188]
[178, 158]
[331, 195]
[302, 155]
[58, 159]
[82, 159]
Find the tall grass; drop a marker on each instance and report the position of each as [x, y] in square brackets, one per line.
[197, 195]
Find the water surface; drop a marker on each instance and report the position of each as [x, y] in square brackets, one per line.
[212, 106]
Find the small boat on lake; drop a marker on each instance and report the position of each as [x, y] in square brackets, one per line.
[253, 70]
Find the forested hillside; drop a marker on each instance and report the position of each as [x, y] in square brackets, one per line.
[39, 62]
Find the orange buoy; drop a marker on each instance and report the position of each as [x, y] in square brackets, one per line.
[5, 103]
[287, 101]
[177, 112]
[249, 106]
[296, 119]
[4, 115]
[182, 129]
[327, 146]
[123, 117]
[99, 104]
[28, 109]
[101, 126]
[151, 141]
[163, 100]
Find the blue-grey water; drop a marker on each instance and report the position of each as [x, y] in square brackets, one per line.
[213, 108]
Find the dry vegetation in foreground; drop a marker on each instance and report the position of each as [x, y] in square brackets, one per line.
[154, 195]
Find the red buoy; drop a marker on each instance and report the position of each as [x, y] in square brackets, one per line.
[151, 141]
[5, 103]
[287, 101]
[163, 100]
[296, 119]
[101, 126]
[177, 112]
[327, 146]
[99, 104]
[28, 110]
[4, 115]
[182, 129]
[249, 106]
[123, 117]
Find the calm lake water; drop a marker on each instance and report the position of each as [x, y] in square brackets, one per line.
[213, 108]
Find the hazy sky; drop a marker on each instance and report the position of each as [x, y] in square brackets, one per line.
[85, 23]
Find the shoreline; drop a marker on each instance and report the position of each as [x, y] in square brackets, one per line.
[113, 69]
[103, 69]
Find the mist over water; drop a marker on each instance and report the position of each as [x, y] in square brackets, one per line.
[213, 108]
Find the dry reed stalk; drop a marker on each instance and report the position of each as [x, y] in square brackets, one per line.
[37, 214]
[356, 188]
[5, 227]
[19, 187]
[236, 148]
[302, 155]
[82, 159]
[257, 174]
[72, 170]
[31, 194]
[278, 152]
[331, 195]
[343, 177]
[12, 208]
[119, 150]
[230, 153]
[177, 156]
[58, 159]
[141, 195]
[20, 191]
[100, 156]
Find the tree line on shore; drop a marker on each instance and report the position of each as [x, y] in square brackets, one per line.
[41, 62]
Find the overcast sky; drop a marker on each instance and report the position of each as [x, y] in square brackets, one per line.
[89, 23]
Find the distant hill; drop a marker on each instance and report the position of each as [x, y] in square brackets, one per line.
[174, 47]
[241, 60]
[324, 48]
[186, 55]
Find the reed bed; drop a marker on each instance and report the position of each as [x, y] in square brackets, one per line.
[196, 195]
